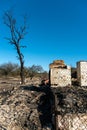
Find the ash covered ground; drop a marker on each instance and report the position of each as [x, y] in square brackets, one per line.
[71, 99]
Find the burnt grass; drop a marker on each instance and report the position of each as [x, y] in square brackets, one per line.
[70, 100]
[61, 100]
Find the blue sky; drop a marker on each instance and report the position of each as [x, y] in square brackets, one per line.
[57, 30]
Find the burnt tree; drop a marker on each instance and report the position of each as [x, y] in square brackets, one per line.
[17, 33]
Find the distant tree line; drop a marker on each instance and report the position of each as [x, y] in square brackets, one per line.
[12, 69]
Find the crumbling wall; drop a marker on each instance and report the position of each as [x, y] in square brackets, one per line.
[82, 73]
[60, 74]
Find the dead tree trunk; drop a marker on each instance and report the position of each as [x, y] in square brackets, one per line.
[17, 34]
[20, 57]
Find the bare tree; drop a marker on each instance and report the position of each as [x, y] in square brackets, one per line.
[34, 70]
[17, 34]
[9, 69]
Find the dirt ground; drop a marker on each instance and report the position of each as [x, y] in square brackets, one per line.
[25, 107]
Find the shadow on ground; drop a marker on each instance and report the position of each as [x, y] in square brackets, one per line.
[44, 105]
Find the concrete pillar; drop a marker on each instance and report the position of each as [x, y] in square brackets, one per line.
[82, 73]
[60, 74]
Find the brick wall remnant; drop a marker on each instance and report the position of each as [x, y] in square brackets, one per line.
[60, 74]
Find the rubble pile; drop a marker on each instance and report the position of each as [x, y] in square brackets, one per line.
[25, 108]
[57, 64]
